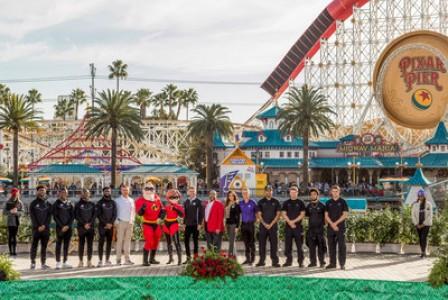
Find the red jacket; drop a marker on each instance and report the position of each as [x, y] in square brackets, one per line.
[216, 218]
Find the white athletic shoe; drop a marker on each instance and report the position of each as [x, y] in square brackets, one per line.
[58, 265]
[100, 264]
[108, 263]
[81, 264]
[66, 266]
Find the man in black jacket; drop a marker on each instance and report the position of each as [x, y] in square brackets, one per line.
[85, 217]
[106, 211]
[63, 215]
[194, 215]
[40, 213]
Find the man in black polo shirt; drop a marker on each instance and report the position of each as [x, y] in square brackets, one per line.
[268, 215]
[194, 215]
[335, 215]
[315, 211]
[293, 211]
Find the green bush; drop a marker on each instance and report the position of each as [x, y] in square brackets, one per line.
[385, 226]
[438, 230]
[439, 271]
[408, 234]
[7, 269]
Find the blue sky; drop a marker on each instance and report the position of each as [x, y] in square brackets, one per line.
[193, 40]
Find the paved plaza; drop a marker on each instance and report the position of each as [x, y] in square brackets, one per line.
[359, 266]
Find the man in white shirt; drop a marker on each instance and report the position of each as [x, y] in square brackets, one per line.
[125, 224]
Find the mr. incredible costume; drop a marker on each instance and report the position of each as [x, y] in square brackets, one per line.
[151, 209]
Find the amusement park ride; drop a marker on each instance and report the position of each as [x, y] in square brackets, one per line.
[337, 53]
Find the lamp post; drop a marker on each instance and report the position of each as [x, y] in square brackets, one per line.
[401, 165]
[353, 166]
[299, 166]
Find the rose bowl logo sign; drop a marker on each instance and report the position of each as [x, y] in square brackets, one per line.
[411, 80]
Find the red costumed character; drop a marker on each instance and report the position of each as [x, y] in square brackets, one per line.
[171, 226]
[151, 209]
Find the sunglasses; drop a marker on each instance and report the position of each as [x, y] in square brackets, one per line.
[149, 189]
[174, 197]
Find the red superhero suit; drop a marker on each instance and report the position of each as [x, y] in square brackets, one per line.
[151, 209]
[173, 211]
[171, 226]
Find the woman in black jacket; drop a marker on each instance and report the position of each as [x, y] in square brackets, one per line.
[232, 214]
[12, 211]
[85, 217]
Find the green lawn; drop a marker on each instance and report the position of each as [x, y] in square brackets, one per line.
[249, 287]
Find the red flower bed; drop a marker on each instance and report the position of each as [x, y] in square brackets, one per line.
[210, 265]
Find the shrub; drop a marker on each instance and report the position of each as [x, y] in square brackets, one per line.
[408, 234]
[439, 271]
[7, 272]
[385, 226]
[211, 265]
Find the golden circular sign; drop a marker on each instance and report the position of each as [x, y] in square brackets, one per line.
[411, 80]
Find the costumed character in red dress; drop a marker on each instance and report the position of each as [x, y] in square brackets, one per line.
[171, 226]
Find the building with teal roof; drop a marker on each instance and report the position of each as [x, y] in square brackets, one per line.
[281, 156]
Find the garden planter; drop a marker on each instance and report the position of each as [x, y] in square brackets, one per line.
[391, 248]
[365, 247]
[351, 247]
[411, 249]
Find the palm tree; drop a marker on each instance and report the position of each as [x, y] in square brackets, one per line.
[63, 108]
[172, 96]
[4, 91]
[210, 120]
[143, 98]
[16, 115]
[187, 97]
[118, 70]
[33, 97]
[159, 100]
[77, 97]
[306, 114]
[113, 115]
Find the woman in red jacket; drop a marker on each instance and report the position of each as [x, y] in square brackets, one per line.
[171, 226]
[214, 221]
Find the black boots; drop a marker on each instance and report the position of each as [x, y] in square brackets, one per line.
[170, 255]
[152, 259]
[145, 258]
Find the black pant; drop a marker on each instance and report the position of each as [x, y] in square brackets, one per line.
[263, 235]
[296, 235]
[176, 239]
[84, 235]
[62, 237]
[423, 237]
[248, 235]
[105, 236]
[315, 239]
[337, 239]
[43, 237]
[191, 230]
[12, 239]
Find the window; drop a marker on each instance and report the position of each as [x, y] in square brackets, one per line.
[267, 154]
[282, 154]
[271, 124]
[261, 138]
[296, 154]
[288, 138]
[253, 155]
[434, 148]
[289, 154]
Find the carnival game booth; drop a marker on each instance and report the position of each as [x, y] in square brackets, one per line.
[72, 176]
[160, 174]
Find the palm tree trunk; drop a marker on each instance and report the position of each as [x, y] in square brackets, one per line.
[187, 111]
[142, 111]
[118, 84]
[113, 157]
[16, 158]
[305, 159]
[76, 111]
[209, 159]
[179, 106]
